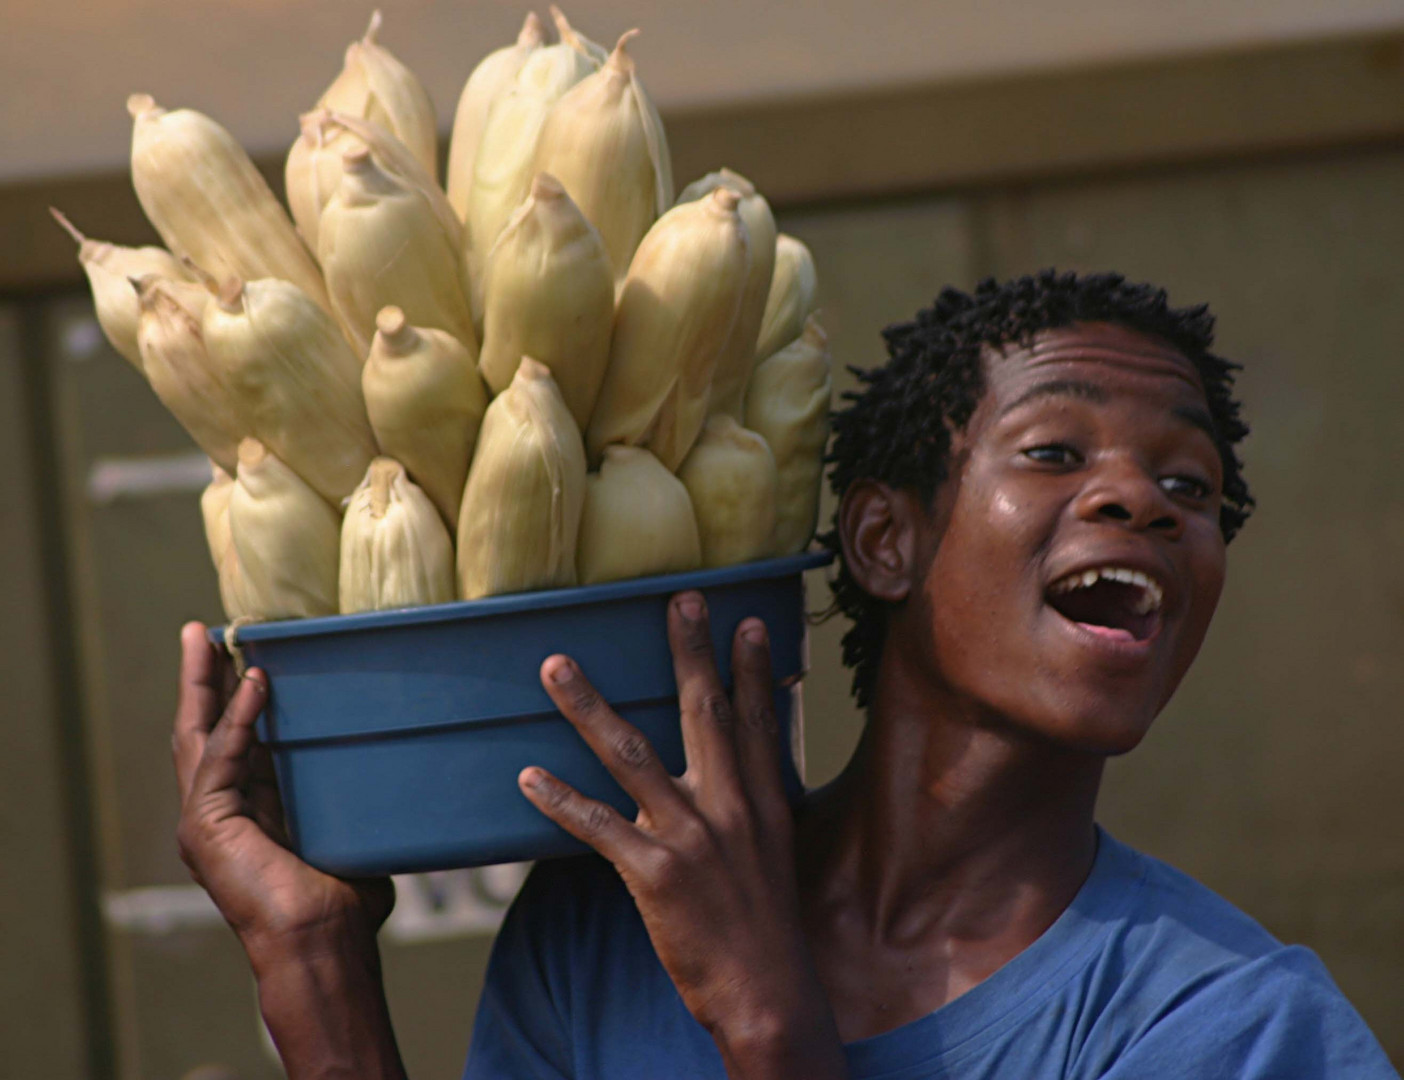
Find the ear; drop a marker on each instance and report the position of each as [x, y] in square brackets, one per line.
[879, 527]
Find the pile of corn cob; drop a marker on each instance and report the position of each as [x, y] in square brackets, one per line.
[549, 366]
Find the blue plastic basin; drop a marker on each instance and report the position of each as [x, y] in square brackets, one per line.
[397, 736]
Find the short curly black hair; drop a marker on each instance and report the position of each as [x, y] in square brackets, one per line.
[897, 428]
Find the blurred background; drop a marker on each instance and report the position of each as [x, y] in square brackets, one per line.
[1247, 154]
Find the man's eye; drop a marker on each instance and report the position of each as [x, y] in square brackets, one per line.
[1053, 454]
[1189, 486]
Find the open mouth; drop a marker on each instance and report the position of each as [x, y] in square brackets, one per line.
[1114, 602]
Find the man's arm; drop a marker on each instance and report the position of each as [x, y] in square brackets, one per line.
[327, 1013]
[309, 936]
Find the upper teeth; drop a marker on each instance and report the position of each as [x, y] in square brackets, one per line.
[1151, 593]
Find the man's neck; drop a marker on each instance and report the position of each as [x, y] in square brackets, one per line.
[950, 840]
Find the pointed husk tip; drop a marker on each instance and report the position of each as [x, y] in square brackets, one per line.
[230, 295]
[382, 476]
[393, 328]
[373, 30]
[726, 199]
[533, 31]
[532, 369]
[69, 228]
[619, 59]
[251, 453]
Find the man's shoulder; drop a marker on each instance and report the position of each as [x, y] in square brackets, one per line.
[1180, 961]
[1166, 910]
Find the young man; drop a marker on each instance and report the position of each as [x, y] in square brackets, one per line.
[1035, 496]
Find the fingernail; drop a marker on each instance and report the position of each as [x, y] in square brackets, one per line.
[690, 608]
[531, 778]
[754, 634]
[563, 672]
[257, 682]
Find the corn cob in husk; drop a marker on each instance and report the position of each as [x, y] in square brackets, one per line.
[494, 74]
[738, 355]
[426, 401]
[679, 303]
[176, 361]
[549, 294]
[788, 406]
[637, 520]
[204, 196]
[296, 381]
[111, 268]
[526, 487]
[731, 478]
[284, 543]
[602, 143]
[395, 549]
[318, 159]
[383, 242]
[375, 86]
[792, 298]
[503, 168]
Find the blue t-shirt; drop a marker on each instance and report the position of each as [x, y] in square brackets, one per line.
[1147, 974]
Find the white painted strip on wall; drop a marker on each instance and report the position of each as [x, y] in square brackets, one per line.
[113, 478]
[428, 907]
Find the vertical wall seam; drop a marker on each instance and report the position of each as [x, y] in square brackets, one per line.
[69, 729]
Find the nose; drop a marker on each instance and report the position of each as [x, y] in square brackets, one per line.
[1124, 493]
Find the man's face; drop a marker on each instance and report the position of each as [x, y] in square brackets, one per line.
[1077, 553]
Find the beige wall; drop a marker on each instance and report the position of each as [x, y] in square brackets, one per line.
[256, 64]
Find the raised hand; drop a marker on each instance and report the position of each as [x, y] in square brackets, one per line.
[709, 858]
[231, 832]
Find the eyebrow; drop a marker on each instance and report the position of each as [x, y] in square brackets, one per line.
[1088, 391]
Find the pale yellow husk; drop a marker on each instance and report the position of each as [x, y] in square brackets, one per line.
[675, 313]
[738, 356]
[793, 294]
[185, 377]
[374, 85]
[297, 382]
[549, 294]
[214, 509]
[731, 478]
[332, 130]
[204, 196]
[425, 400]
[637, 520]
[494, 74]
[600, 143]
[313, 169]
[111, 269]
[788, 406]
[395, 549]
[382, 242]
[502, 169]
[526, 487]
[284, 543]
